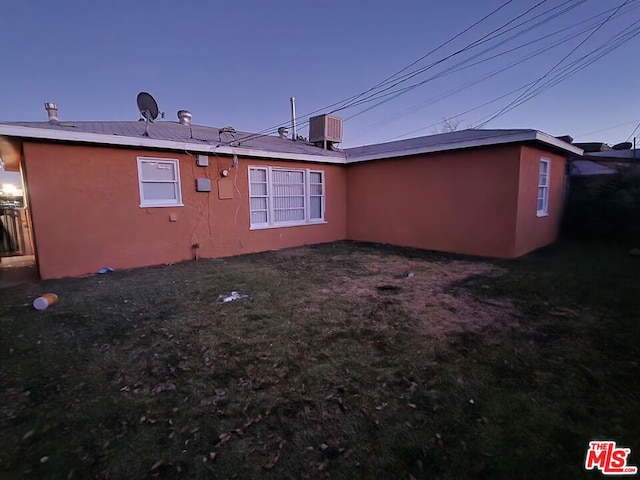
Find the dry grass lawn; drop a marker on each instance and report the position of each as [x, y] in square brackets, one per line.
[338, 361]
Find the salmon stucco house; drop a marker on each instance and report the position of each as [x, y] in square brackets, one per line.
[105, 194]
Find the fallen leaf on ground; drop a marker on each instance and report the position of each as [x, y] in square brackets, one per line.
[224, 438]
[272, 463]
[163, 387]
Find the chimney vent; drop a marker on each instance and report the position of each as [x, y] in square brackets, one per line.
[283, 132]
[52, 111]
[185, 117]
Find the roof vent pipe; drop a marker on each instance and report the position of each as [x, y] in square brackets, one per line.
[293, 119]
[283, 132]
[52, 111]
[185, 117]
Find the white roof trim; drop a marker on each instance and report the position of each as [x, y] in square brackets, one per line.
[145, 142]
[104, 139]
[476, 142]
[551, 140]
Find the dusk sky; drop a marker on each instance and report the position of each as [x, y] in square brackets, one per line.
[237, 63]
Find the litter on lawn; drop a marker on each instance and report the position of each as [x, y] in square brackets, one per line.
[45, 301]
[231, 297]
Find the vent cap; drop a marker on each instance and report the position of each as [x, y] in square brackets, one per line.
[52, 111]
[184, 116]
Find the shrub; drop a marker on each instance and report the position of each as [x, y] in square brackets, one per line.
[605, 208]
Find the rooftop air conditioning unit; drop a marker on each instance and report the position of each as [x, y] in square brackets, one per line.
[325, 128]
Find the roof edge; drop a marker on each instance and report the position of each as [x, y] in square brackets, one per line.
[562, 145]
[145, 142]
[523, 136]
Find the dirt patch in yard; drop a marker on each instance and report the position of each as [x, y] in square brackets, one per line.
[427, 292]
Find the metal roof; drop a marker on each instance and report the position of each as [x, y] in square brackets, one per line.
[452, 141]
[169, 135]
[190, 134]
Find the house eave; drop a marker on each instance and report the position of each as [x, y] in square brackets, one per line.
[553, 141]
[521, 137]
[153, 143]
[23, 132]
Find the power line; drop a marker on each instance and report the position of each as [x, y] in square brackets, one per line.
[605, 48]
[524, 96]
[514, 102]
[478, 107]
[606, 128]
[453, 91]
[473, 44]
[633, 133]
[384, 82]
[490, 36]
[458, 67]
[486, 38]
[569, 70]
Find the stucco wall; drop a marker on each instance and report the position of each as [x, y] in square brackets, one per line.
[533, 232]
[463, 201]
[85, 206]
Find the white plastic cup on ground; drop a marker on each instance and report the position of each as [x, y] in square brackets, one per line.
[45, 301]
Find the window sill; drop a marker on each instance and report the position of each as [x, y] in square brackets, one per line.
[542, 214]
[152, 205]
[286, 225]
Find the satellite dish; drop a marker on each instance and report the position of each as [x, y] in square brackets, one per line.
[148, 109]
[147, 106]
[623, 146]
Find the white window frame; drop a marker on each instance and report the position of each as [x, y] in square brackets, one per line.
[543, 186]
[271, 223]
[173, 202]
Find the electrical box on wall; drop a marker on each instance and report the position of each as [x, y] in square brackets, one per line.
[203, 185]
[202, 161]
[225, 189]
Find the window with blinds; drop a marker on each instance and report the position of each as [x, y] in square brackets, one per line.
[543, 188]
[285, 197]
[159, 182]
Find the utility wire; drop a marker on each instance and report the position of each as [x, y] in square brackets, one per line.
[340, 104]
[486, 38]
[567, 71]
[394, 94]
[460, 66]
[490, 36]
[513, 102]
[391, 77]
[467, 85]
[478, 107]
[581, 135]
[633, 133]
